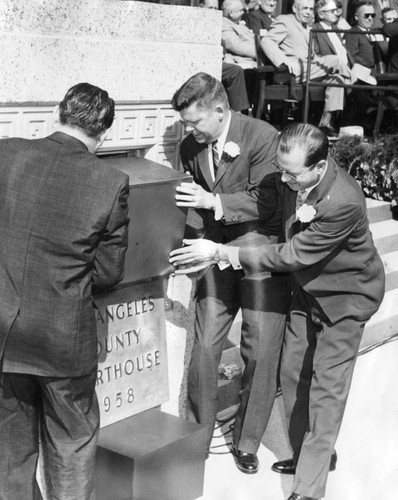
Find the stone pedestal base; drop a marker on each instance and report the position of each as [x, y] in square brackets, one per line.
[149, 456]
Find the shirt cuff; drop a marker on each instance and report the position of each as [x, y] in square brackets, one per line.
[218, 212]
[233, 257]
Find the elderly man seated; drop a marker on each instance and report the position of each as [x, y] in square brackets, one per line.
[238, 42]
[287, 43]
[325, 42]
[236, 37]
[232, 75]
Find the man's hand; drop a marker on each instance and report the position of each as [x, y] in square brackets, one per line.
[194, 255]
[294, 67]
[193, 195]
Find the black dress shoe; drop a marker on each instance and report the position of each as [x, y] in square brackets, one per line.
[295, 496]
[285, 466]
[245, 462]
[289, 466]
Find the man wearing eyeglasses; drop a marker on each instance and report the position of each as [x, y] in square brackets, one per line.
[339, 285]
[329, 43]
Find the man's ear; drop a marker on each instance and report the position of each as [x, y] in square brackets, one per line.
[220, 112]
[101, 138]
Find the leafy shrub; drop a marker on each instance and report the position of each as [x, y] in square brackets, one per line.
[373, 163]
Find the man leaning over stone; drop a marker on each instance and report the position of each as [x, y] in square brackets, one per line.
[63, 223]
[230, 158]
[338, 285]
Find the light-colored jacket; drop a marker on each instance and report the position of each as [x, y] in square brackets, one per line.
[239, 44]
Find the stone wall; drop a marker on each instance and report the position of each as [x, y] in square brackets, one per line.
[135, 50]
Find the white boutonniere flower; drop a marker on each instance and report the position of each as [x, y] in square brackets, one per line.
[306, 213]
[232, 149]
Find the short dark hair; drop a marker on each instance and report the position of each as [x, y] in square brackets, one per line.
[361, 3]
[201, 89]
[87, 107]
[307, 137]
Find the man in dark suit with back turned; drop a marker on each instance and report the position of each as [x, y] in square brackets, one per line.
[339, 285]
[63, 223]
[230, 158]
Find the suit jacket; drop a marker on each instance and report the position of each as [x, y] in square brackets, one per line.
[391, 30]
[238, 42]
[246, 184]
[360, 48]
[64, 230]
[286, 39]
[257, 20]
[323, 46]
[332, 256]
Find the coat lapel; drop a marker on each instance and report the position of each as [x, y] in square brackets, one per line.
[320, 192]
[232, 136]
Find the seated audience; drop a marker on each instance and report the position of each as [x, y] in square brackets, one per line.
[262, 18]
[287, 43]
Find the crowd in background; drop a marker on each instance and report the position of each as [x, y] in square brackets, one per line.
[362, 45]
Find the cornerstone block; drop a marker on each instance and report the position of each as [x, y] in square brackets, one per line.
[132, 369]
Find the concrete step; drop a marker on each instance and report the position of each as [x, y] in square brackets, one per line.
[385, 235]
[390, 261]
[378, 210]
[384, 324]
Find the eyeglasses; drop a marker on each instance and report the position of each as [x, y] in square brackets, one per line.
[292, 176]
[368, 16]
[330, 10]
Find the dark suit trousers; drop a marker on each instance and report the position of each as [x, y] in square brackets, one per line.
[233, 79]
[317, 365]
[264, 302]
[61, 413]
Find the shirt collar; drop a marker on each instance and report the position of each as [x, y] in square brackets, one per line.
[223, 137]
[309, 189]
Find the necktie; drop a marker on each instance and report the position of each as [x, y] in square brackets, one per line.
[301, 197]
[216, 157]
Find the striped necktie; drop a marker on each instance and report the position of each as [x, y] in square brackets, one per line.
[216, 158]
